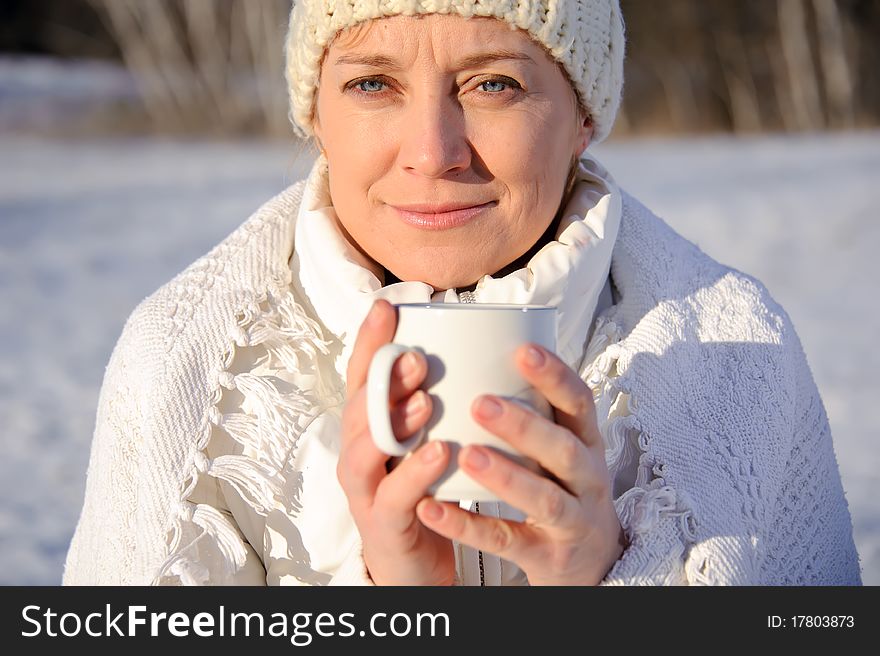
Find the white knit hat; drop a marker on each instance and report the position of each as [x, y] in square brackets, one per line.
[586, 36]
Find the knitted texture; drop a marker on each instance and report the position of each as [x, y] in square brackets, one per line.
[585, 36]
[695, 364]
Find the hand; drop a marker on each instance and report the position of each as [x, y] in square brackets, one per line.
[572, 535]
[398, 549]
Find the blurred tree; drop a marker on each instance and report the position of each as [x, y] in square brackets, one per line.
[696, 65]
[835, 64]
[214, 66]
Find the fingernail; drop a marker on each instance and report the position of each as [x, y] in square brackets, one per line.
[432, 510]
[432, 452]
[489, 408]
[409, 363]
[476, 458]
[415, 404]
[534, 357]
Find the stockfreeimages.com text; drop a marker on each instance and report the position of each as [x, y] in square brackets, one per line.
[300, 628]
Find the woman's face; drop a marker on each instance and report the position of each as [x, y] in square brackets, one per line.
[417, 114]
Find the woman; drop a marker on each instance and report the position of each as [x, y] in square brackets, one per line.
[688, 445]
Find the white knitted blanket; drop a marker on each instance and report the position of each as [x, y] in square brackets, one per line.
[737, 481]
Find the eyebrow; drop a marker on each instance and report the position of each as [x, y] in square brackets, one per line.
[473, 61]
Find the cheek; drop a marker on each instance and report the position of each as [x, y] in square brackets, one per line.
[359, 157]
[529, 156]
[356, 142]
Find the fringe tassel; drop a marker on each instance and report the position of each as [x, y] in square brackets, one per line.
[639, 509]
[277, 325]
[616, 432]
[218, 526]
[280, 413]
[269, 401]
[254, 481]
[645, 471]
[255, 434]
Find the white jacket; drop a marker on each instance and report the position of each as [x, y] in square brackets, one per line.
[213, 459]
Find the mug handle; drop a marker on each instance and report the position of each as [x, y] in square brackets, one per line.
[378, 389]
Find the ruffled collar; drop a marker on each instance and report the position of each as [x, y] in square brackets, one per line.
[569, 272]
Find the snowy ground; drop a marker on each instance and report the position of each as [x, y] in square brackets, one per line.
[88, 229]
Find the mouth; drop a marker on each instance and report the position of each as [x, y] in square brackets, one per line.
[440, 217]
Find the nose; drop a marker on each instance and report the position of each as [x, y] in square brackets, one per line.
[433, 142]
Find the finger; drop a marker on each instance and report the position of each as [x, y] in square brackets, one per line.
[408, 372]
[510, 540]
[361, 465]
[552, 446]
[543, 500]
[401, 490]
[410, 414]
[563, 389]
[403, 395]
[377, 329]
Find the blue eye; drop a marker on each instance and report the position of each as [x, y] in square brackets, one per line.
[372, 88]
[495, 84]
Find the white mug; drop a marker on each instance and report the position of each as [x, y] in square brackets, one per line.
[470, 350]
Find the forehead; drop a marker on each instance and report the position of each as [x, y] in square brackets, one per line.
[456, 32]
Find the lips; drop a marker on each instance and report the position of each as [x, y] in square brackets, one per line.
[440, 216]
[424, 208]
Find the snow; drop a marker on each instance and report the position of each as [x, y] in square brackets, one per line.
[89, 228]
